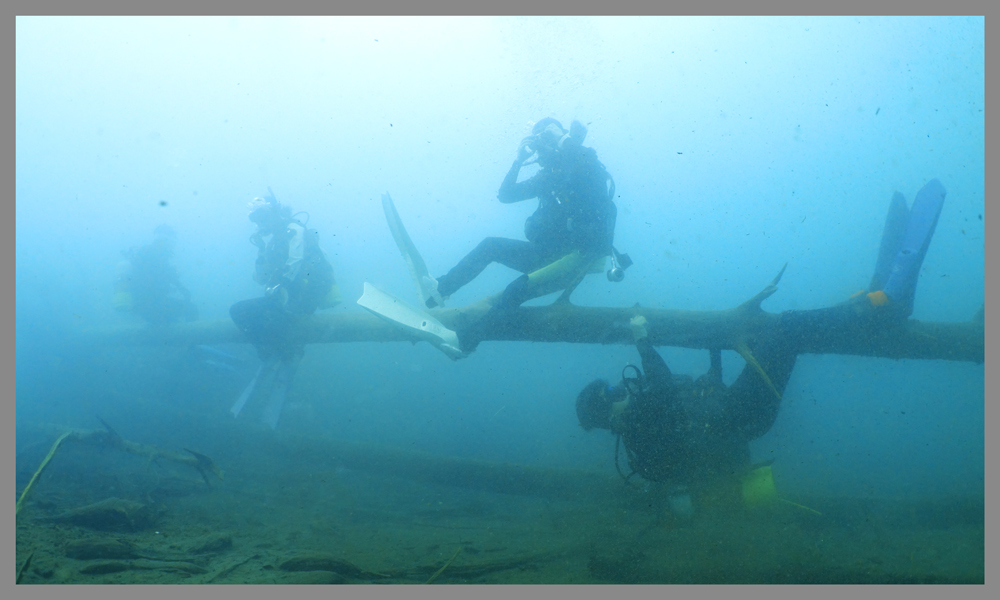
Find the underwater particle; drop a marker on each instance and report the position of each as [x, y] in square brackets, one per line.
[163, 202]
[876, 110]
[980, 217]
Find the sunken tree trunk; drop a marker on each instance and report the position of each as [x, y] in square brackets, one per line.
[565, 322]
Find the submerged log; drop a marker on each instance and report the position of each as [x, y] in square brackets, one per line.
[415, 465]
[564, 322]
[111, 514]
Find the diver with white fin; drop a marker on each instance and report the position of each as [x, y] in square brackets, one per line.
[569, 235]
[298, 280]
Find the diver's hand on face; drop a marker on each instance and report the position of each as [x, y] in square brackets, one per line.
[638, 325]
[525, 149]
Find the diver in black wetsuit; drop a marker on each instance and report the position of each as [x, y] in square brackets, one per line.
[572, 229]
[298, 280]
[694, 434]
[689, 434]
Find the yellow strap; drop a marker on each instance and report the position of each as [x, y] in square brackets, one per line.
[744, 351]
[556, 269]
[561, 273]
[812, 510]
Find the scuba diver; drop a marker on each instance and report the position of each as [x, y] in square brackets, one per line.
[570, 233]
[694, 435]
[298, 280]
[148, 285]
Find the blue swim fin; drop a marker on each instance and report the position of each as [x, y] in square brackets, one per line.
[901, 284]
[892, 237]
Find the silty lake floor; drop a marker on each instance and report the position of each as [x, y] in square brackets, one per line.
[278, 521]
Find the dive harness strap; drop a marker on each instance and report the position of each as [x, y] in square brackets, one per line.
[633, 387]
[625, 478]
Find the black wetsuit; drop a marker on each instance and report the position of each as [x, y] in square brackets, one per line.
[307, 280]
[575, 212]
[688, 432]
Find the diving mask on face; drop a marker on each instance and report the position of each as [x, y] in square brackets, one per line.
[549, 138]
[259, 208]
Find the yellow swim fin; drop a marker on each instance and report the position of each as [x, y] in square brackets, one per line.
[758, 487]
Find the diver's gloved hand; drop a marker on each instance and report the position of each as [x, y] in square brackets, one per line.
[638, 325]
[524, 149]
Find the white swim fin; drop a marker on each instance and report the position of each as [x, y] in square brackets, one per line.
[416, 321]
[426, 285]
[252, 386]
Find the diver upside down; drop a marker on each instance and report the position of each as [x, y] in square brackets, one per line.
[694, 435]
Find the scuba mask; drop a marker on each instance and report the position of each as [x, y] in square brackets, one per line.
[541, 144]
[266, 209]
[549, 136]
[260, 211]
[546, 137]
[268, 214]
